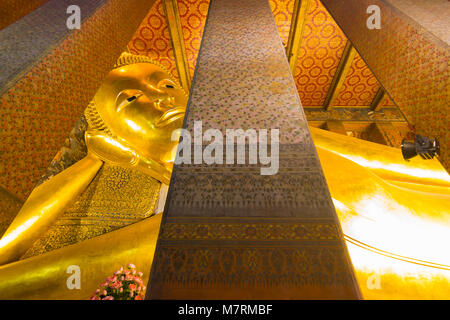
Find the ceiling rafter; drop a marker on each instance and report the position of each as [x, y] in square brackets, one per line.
[341, 73]
[177, 40]
[294, 44]
[376, 102]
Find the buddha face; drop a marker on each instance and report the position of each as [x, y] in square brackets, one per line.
[142, 107]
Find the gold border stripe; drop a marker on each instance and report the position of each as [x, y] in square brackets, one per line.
[301, 8]
[177, 40]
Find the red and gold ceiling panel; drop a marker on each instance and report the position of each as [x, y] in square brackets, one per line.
[193, 17]
[360, 85]
[282, 12]
[321, 50]
[152, 39]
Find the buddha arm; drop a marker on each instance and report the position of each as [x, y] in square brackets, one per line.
[118, 152]
[386, 162]
[44, 205]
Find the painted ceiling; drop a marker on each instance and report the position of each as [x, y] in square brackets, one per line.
[152, 37]
[322, 47]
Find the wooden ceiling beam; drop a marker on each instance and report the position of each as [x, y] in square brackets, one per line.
[294, 44]
[335, 126]
[177, 40]
[340, 75]
[376, 102]
[388, 114]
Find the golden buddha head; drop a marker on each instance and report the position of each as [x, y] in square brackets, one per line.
[139, 105]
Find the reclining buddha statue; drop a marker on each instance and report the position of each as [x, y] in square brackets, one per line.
[99, 213]
[124, 175]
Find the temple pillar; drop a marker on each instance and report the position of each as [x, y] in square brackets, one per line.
[13, 10]
[408, 54]
[48, 76]
[229, 232]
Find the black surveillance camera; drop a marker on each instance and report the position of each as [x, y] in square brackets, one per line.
[423, 146]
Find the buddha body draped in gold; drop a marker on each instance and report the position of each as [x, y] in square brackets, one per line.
[394, 214]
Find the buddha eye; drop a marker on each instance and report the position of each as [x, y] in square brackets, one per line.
[126, 97]
[166, 84]
[133, 97]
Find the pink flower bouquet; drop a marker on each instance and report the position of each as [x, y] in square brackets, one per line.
[125, 284]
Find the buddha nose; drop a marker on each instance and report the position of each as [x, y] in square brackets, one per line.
[164, 103]
[162, 100]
